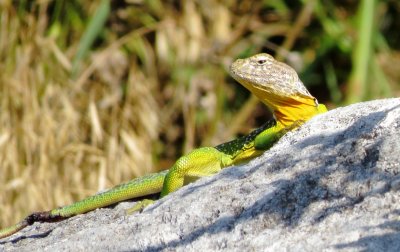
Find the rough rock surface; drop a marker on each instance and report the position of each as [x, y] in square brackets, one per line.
[331, 185]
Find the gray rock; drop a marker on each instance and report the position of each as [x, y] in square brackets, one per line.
[331, 185]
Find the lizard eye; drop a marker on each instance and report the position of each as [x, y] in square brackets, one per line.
[261, 61]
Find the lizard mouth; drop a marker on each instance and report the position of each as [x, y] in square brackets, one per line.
[240, 75]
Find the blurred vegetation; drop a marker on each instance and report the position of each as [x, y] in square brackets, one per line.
[94, 93]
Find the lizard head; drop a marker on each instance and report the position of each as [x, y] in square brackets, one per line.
[277, 85]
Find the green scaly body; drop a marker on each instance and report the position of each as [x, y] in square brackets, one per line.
[274, 83]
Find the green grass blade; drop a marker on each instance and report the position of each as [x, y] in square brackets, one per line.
[362, 55]
[94, 28]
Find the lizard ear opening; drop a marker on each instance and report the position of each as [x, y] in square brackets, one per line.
[316, 102]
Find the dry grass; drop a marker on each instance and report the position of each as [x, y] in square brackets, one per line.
[63, 139]
[153, 85]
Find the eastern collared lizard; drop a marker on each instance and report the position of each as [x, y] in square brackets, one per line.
[276, 84]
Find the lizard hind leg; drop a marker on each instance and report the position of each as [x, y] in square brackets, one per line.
[198, 163]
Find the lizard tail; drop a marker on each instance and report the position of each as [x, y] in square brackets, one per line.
[146, 185]
[46, 216]
[13, 229]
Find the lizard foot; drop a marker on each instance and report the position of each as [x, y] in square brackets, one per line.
[140, 205]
